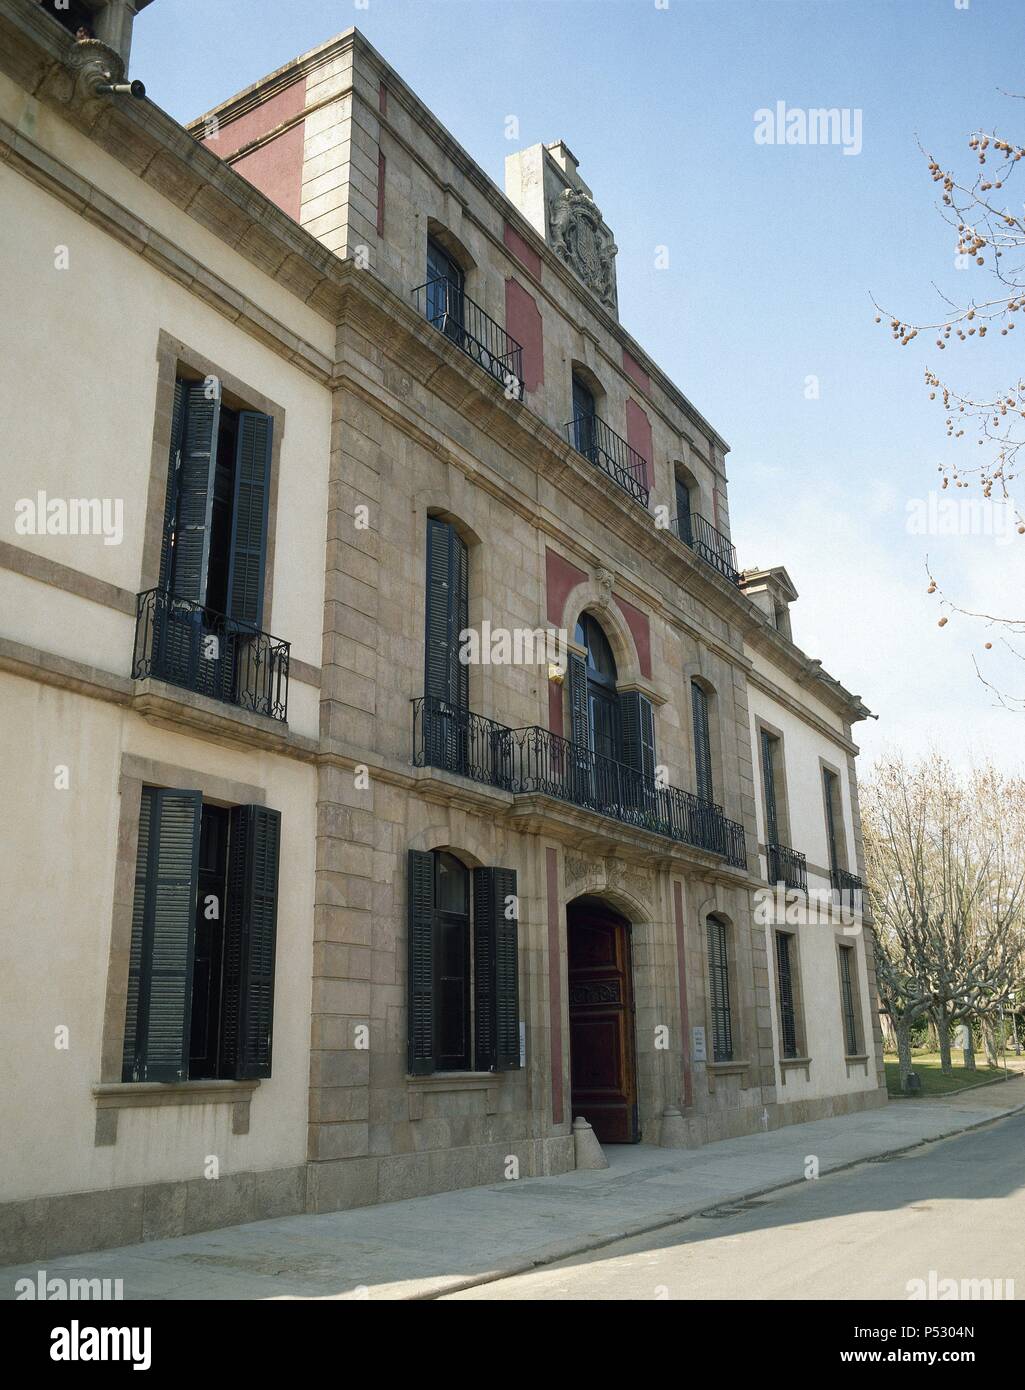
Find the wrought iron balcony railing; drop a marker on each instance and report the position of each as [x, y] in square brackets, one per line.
[187, 645]
[713, 547]
[787, 866]
[444, 304]
[848, 886]
[534, 760]
[592, 437]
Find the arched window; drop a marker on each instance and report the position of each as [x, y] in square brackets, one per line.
[602, 701]
[616, 728]
[446, 286]
[719, 990]
[584, 417]
[463, 966]
[684, 507]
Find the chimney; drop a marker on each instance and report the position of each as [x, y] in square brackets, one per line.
[545, 184]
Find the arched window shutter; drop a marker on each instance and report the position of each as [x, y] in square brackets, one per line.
[638, 726]
[421, 963]
[496, 963]
[580, 731]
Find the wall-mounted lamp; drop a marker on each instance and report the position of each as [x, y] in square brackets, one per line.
[556, 673]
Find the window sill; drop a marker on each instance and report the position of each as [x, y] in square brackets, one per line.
[111, 1097]
[856, 1059]
[795, 1064]
[730, 1068]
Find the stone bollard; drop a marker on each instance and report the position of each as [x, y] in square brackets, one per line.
[588, 1150]
[673, 1133]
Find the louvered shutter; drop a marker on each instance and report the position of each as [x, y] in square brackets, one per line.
[171, 491]
[195, 493]
[828, 785]
[248, 555]
[250, 932]
[576, 674]
[420, 983]
[787, 1016]
[719, 981]
[446, 677]
[637, 751]
[769, 781]
[496, 970]
[159, 1014]
[638, 732]
[702, 743]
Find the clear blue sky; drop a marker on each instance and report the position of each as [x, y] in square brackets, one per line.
[774, 252]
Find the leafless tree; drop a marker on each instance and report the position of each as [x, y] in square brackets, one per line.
[946, 867]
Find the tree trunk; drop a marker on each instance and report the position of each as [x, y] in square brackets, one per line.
[943, 1028]
[932, 1035]
[902, 1027]
[968, 1050]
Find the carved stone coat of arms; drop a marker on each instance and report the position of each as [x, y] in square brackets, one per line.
[583, 241]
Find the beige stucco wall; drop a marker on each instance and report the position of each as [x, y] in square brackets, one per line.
[59, 863]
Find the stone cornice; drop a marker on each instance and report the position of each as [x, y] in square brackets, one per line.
[34, 53]
[805, 670]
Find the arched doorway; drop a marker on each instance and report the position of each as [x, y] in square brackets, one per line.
[603, 1066]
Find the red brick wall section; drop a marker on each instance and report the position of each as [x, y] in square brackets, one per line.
[276, 168]
[560, 578]
[526, 255]
[638, 436]
[636, 373]
[640, 629]
[554, 983]
[523, 322]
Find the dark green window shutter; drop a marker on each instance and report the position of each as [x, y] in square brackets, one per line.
[195, 493]
[769, 780]
[421, 963]
[248, 557]
[580, 724]
[446, 677]
[159, 1013]
[719, 982]
[171, 491]
[250, 931]
[829, 785]
[496, 970]
[702, 743]
[787, 1014]
[638, 732]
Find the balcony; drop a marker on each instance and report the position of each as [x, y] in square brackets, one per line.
[713, 547]
[848, 887]
[592, 437]
[192, 647]
[787, 866]
[536, 761]
[454, 313]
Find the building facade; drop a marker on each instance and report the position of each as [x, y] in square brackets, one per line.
[402, 761]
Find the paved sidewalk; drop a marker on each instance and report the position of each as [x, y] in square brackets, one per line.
[429, 1245]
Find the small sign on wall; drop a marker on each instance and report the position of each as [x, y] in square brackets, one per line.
[698, 1051]
[523, 1043]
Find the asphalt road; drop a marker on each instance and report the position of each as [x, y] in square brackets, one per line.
[954, 1209]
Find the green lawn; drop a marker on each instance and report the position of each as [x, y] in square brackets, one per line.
[934, 1083]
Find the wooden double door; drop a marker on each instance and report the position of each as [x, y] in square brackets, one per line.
[603, 1073]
